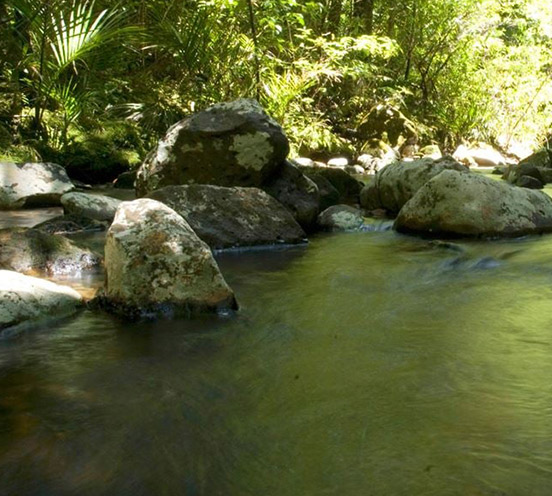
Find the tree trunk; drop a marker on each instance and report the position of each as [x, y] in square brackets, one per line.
[364, 10]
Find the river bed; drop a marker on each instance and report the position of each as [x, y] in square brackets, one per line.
[363, 364]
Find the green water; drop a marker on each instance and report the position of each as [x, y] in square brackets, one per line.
[363, 364]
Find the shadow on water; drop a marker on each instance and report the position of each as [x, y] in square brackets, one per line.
[367, 363]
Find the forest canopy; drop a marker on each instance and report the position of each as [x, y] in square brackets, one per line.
[98, 80]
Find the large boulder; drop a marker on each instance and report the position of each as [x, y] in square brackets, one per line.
[297, 193]
[25, 300]
[340, 218]
[395, 184]
[27, 250]
[32, 184]
[156, 265]
[96, 207]
[345, 184]
[453, 203]
[229, 144]
[231, 217]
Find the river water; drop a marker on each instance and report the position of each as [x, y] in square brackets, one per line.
[364, 364]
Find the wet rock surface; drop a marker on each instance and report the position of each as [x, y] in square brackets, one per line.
[29, 250]
[25, 299]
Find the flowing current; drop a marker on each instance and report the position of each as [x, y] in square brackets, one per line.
[364, 364]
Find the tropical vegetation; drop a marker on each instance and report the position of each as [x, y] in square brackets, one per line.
[96, 82]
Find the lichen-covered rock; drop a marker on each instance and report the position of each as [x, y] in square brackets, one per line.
[27, 250]
[346, 185]
[71, 224]
[231, 217]
[297, 193]
[25, 299]
[395, 184]
[32, 184]
[156, 265]
[461, 204]
[97, 207]
[340, 218]
[229, 144]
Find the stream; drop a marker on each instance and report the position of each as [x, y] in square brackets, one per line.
[367, 363]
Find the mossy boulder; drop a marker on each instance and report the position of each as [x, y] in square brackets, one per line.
[228, 144]
[459, 204]
[396, 183]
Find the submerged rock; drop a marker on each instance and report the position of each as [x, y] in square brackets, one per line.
[71, 224]
[157, 266]
[97, 207]
[25, 299]
[456, 203]
[32, 185]
[395, 184]
[297, 192]
[26, 250]
[341, 218]
[231, 217]
[228, 144]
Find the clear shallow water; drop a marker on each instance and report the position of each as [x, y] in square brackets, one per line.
[364, 364]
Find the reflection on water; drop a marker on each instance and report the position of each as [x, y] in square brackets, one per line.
[363, 364]
[28, 218]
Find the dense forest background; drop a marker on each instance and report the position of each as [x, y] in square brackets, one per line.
[99, 82]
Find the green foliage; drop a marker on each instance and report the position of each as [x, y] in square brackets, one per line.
[79, 77]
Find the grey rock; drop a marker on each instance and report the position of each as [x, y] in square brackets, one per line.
[27, 250]
[297, 193]
[340, 218]
[97, 207]
[534, 165]
[529, 182]
[232, 217]
[25, 300]
[399, 181]
[456, 203]
[229, 144]
[328, 194]
[347, 186]
[32, 185]
[157, 266]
